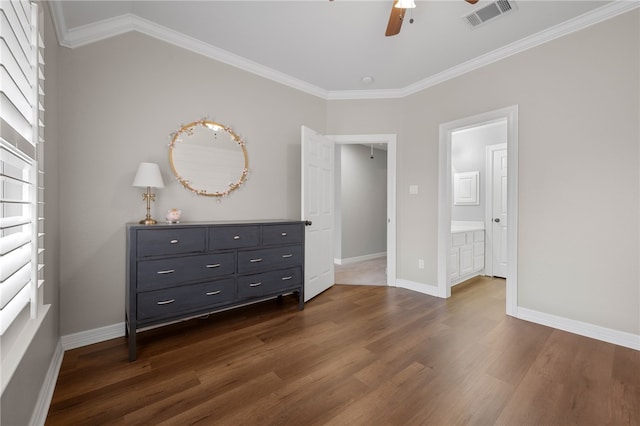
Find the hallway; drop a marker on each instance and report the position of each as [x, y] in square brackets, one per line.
[369, 272]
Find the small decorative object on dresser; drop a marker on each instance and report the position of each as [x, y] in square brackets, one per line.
[173, 216]
[182, 271]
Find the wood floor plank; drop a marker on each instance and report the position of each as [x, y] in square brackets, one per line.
[577, 374]
[356, 355]
[108, 403]
[375, 406]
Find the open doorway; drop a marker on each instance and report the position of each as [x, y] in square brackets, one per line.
[446, 197]
[479, 209]
[365, 230]
[360, 242]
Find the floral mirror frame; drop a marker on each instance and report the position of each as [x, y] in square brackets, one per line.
[205, 163]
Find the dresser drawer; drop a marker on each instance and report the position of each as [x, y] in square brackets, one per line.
[250, 261]
[231, 237]
[290, 233]
[153, 274]
[160, 242]
[179, 300]
[268, 282]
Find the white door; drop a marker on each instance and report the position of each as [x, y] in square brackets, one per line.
[317, 208]
[499, 215]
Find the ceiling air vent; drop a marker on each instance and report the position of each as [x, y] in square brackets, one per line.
[488, 12]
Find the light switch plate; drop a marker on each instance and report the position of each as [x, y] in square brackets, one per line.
[413, 189]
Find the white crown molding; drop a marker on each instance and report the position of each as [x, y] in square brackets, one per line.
[59, 23]
[186, 42]
[86, 34]
[583, 21]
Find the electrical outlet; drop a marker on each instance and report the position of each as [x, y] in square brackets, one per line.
[420, 264]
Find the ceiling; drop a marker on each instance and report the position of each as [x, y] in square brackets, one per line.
[327, 47]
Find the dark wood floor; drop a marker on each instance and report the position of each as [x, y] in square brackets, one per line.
[355, 356]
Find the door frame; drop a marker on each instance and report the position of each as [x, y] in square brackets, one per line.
[444, 199]
[390, 141]
[488, 216]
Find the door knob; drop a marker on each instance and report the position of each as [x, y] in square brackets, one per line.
[496, 220]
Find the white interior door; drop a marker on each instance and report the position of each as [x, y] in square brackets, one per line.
[499, 215]
[317, 208]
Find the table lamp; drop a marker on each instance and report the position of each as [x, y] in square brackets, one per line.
[148, 176]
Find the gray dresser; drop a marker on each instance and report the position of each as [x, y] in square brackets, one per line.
[178, 271]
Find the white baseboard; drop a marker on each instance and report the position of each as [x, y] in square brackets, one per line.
[628, 340]
[431, 290]
[467, 277]
[89, 337]
[604, 334]
[359, 258]
[368, 284]
[43, 403]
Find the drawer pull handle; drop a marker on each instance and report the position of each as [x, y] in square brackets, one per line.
[215, 265]
[213, 293]
[286, 256]
[287, 278]
[255, 260]
[166, 302]
[237, 237]
[168, 271]
[174, 241]
[284, 234]
[255, 284]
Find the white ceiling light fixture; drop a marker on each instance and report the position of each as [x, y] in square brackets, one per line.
[405, 4]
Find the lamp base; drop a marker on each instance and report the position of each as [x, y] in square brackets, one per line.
[148, 221]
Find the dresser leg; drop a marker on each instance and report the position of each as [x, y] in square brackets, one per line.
[131, 337]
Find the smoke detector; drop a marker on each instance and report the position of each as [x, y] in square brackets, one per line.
[489, 12]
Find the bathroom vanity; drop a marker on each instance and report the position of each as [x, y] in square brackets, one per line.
[466, 256]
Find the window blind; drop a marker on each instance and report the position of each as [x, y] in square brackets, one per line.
[21, 189]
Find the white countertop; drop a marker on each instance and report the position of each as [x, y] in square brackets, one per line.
[465, 226]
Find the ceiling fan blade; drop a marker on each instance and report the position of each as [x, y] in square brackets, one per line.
[395, 20]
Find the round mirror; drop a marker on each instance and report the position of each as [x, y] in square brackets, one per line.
[208, 158]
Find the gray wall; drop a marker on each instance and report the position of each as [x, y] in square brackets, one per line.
[119, 101]
[363, 189]
[468, 154]
[578, 100]
[19, 398]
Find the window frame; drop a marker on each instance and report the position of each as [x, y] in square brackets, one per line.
[21, 181]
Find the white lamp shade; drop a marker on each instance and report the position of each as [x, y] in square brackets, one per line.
[148, 174]
[405, 4]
